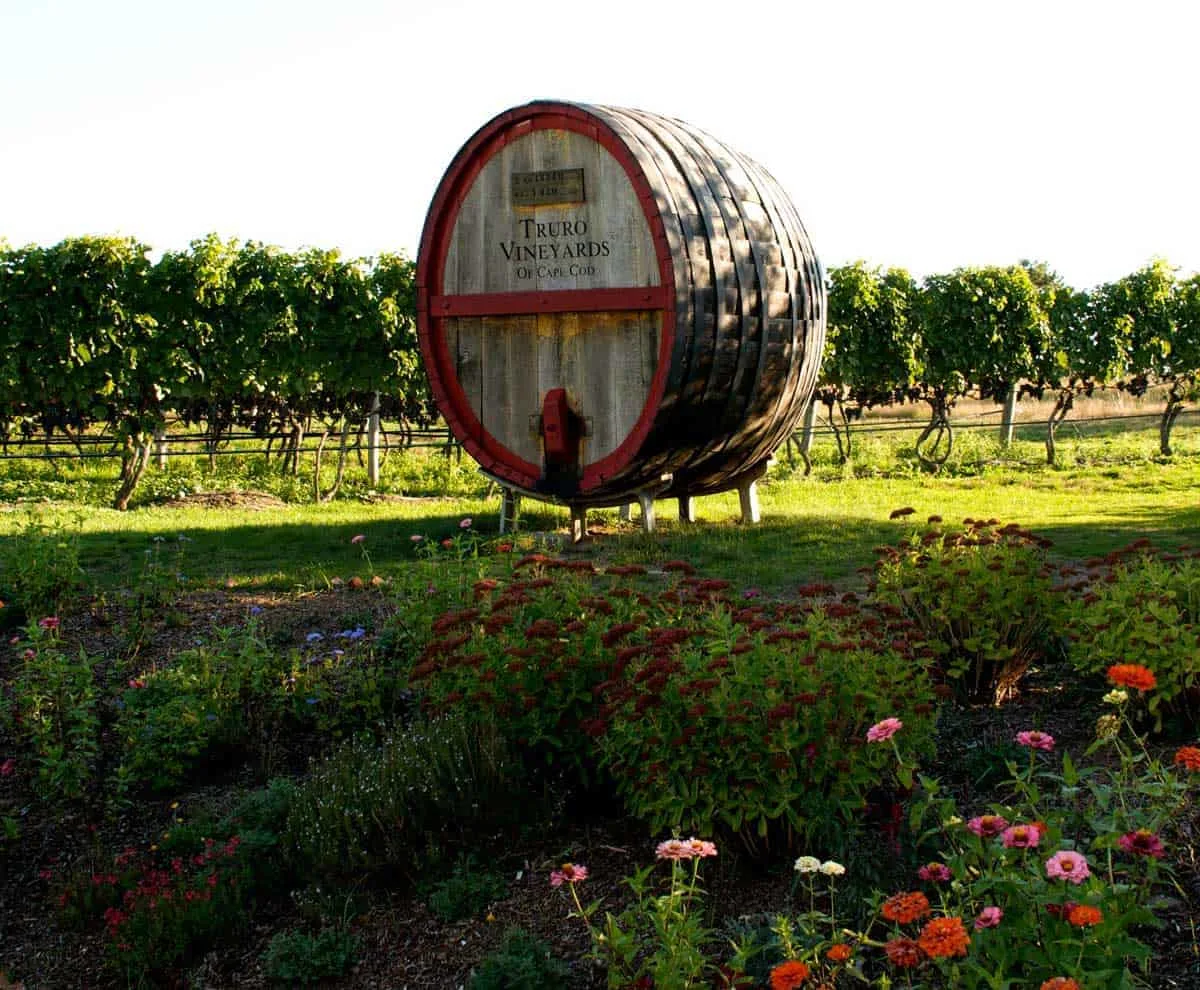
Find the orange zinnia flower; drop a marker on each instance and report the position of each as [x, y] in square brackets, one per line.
[1060, 983]
[1188, 756]
[839, 952]
[903, 953]
[903, 908]
[1132, 675]
[788, 975]
[944, 937]
[1084, 914]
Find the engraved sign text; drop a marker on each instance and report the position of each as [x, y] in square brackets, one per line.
[559, 185]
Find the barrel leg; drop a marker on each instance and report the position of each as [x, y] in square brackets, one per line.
[748, 496]
[687, 509]
[625, 513]
[646, 501]
[510, 505]
[578, 523]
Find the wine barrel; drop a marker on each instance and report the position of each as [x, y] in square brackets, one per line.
[612, 303]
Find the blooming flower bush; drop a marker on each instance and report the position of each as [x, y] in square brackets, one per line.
[1049, 890]
[981, 597]
[762, 720]
[157, 911]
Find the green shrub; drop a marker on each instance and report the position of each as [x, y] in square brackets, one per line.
[1144, 609]
[400, 804]
[756, 721]
[297, 957]
[521, 963]
[982, 600]
[466, 892]
[55, 711]
[238, 694]
[39, 571]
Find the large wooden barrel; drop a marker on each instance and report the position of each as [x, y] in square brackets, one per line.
[611, 302]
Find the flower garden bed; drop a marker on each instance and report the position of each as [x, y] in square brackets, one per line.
[975, 769]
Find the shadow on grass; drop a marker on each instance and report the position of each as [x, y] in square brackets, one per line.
[776, 555]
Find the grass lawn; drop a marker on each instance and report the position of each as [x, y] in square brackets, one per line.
[822, 527]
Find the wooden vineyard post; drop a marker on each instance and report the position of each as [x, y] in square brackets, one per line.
[373, 442]
[510, 506]
[1009, 417]
[748, 496]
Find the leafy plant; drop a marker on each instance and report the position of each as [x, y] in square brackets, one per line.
[467, 891]
[522, 962]
[298, 957]
[238, 694]
[530, 652]
[982, 601]
[39, 570]
[55, 711]
[659, 940]
[757, 721]
[1143, 606]
[400, 804]
[157, 911]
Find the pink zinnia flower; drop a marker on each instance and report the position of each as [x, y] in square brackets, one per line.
[465, 524]
[1143, 842]
[989, 917]
[701, 848]
[936, 872]
[416, 537]
[1068, 865]
[673, 849]
[987, 825]
[1021, 836]
[1036, 740]
[49, 622]
[360, 538]
[570, 873]
[8, 767]
[882, 731]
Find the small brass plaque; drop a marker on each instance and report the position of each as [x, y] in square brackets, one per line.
[559, 185]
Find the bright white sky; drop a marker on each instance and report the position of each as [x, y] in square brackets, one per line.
[921, 134]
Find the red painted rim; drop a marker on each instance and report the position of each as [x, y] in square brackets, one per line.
[434, 305]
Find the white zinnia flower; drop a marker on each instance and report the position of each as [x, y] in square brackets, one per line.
[832, 869]
[808, 864]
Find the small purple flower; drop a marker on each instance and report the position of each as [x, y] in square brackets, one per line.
[310, 701]
[314, 637]
[256, 610]
[750, 593]
[358, 632]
